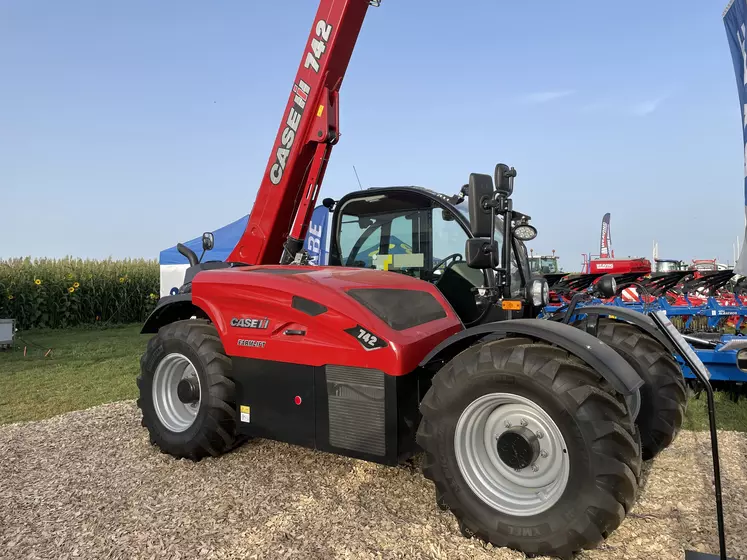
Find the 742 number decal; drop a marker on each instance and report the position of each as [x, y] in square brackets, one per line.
[368, 340]
[318, 45]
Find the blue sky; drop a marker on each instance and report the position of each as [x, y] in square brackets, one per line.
[126, 127]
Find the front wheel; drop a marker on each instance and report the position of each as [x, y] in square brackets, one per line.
[186, 392]
[529, 448]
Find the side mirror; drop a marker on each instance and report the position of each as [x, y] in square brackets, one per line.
[208, 241]
[481, 253]
[504, 176]
[606, 286]
[480, 191]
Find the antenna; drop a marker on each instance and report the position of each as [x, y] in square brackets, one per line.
[359, 179]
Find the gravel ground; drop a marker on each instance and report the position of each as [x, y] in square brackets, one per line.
[88, 485]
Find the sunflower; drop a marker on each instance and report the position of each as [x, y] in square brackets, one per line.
[10, 296]
[37, 282]
[71, 290]
[121, 280]
[76, 285]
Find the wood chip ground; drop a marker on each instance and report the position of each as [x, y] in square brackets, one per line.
[89, 485]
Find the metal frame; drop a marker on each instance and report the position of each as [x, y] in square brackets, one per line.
[703, 375]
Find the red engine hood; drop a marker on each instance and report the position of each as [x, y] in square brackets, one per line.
[273, 292]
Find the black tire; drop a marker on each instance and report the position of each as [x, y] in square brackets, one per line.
[596, 426]
[213, 431]
[663, 397]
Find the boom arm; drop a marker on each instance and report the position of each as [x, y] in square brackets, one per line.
[302, 148]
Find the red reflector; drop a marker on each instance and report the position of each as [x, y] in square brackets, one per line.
[297, 400]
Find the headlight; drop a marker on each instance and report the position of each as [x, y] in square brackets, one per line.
[539, 292]
[607, 286]
[525, 232]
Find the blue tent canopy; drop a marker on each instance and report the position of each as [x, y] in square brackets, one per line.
[228, 236]
[225, 240]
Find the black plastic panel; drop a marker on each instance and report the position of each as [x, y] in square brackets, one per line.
[192, 271]
[307, 306]
[357, 412]
[270, 390]
[400, 309]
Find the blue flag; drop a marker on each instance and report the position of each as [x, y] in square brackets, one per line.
[316, 238]
[735, 21]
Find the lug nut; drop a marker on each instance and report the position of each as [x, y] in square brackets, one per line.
[523, 421]
[535, 468]
[543, 453]
[540, 435]
[507, 424]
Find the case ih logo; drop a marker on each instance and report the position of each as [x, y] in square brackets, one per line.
[288, 137]
[250, 323]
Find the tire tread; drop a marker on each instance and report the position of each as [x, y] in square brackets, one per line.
[218, 432]
[614, 448]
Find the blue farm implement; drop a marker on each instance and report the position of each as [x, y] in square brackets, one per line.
[708, 308]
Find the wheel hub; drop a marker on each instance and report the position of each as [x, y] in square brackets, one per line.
[176, 392]
[188, 390]
[518, 448]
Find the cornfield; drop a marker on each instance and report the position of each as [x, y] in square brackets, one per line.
[59, 293]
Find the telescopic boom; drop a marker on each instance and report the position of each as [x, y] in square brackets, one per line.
[310, 128]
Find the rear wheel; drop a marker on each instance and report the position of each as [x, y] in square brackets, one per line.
[186, 392]
[528, 447]
[663, 397]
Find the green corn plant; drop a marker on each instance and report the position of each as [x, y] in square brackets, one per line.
[60, 293]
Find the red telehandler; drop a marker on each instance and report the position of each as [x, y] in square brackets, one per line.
[420, 336]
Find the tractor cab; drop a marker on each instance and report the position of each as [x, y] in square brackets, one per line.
[424, 234]
[544, 264]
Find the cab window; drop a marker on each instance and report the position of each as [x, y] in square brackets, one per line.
[421, 242]
[366, 241]
[449, 237]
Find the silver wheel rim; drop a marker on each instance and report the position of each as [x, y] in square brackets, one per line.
[520, 492]
[175, 415]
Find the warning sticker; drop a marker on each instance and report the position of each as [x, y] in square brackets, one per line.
[245, 413]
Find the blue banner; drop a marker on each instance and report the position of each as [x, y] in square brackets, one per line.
[316, 244]
[735, 21]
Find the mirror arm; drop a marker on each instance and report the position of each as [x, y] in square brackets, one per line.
[503, 206]
[507, 236]
[492, 221]
[493, 204]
